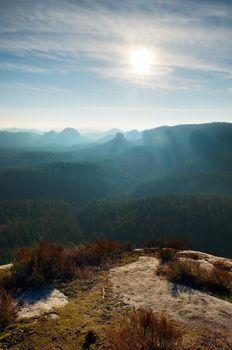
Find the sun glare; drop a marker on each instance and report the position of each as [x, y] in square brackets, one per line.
[141, 60]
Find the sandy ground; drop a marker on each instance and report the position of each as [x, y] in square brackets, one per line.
[38, 302]
[138, 285]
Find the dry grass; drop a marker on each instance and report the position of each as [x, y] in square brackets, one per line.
[211, 340]
[142, 330]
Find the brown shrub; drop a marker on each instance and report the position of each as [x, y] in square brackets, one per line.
[222, 265]
[179, 244]
[7, 308]
[155, 243]
[96, 253]
[191, 274]
[181, 271]
[166, 255]
[142, 330]
[46, 262]
[7, 279]
[190, 255]
[40, 264]
[219, 280]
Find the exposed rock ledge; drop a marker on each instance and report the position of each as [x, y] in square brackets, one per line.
[138, 285]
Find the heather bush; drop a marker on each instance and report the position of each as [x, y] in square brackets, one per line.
[46, 262]
[182, 272]
[166, 255]
[223, 266]
[186, 272]
[219, 281]
[97, 252]
[142, 330]
[40, 264]
[178, 244]
[7, 308]
[7, 279]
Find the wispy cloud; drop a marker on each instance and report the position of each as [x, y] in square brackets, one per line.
[22, 68]
[30, 87]
[97, 38]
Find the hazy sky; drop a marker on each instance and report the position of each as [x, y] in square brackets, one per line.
[68, 63]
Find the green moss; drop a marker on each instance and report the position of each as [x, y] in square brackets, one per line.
[128, 258]
[90, 308]
[14, 334]
[4, 336]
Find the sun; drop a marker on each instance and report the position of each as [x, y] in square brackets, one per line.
[141, 60]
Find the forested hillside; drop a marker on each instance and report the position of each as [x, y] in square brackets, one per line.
[77, 182]
[215, 183]
[205, 220]
[25, 222]
[81, 182]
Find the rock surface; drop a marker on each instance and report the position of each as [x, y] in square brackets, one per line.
[138, 285]
[205, 259]
[6, 267]
[38, 302]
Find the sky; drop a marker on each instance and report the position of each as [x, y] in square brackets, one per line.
[66, 63]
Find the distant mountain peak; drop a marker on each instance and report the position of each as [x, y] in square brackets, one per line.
[119, 143]
[70, 131]
[119, 136]
[64, 138]
[114, 130]
[51, 132]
